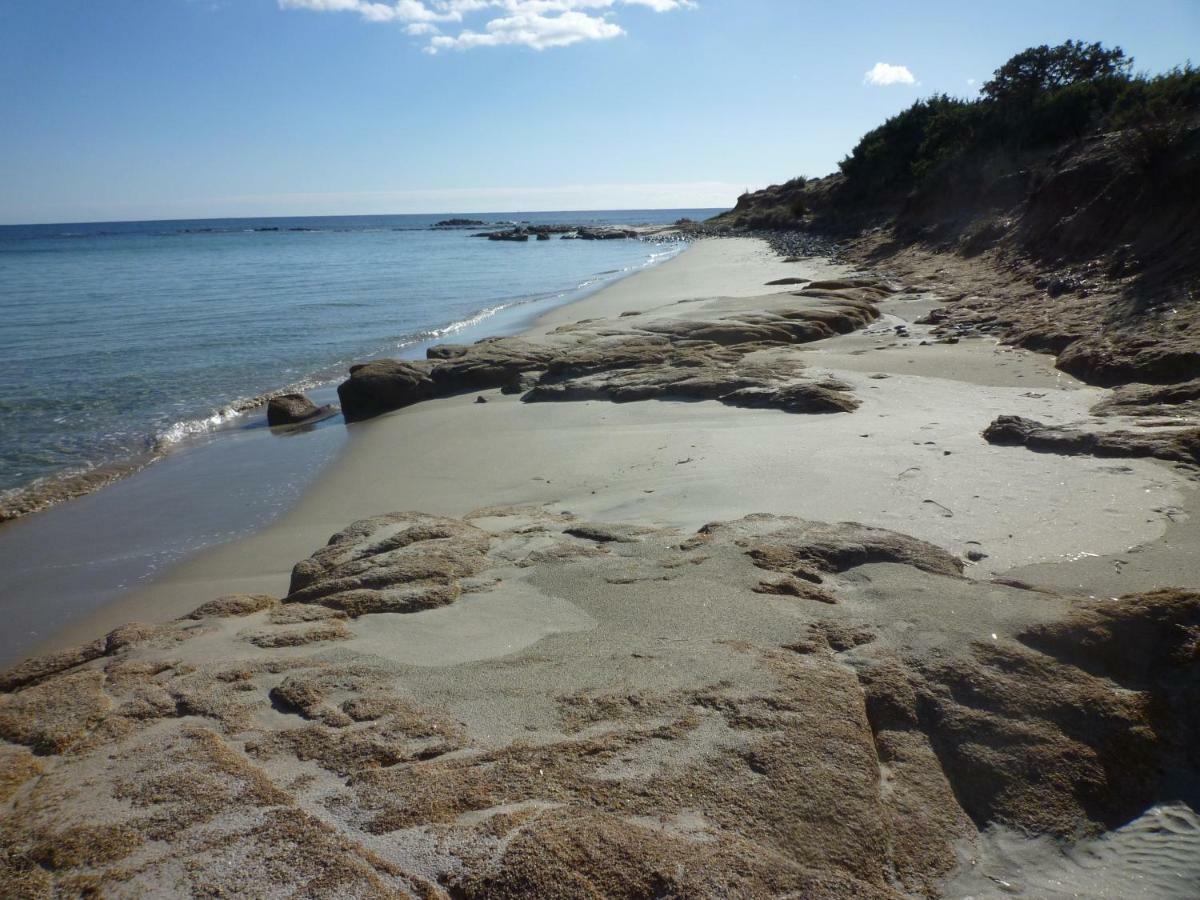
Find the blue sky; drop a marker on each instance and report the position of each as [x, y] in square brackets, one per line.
[132, 109]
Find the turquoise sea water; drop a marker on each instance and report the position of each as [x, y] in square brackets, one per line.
[116, 339]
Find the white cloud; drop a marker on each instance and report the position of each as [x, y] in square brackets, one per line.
[882, 74]
[532, 30]
[539, 24]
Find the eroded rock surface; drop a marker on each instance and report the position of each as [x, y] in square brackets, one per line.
[723, 356]
[1176, 444]
[689, 734]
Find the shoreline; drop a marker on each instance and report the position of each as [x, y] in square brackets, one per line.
[465, 477]
[66, 560]
[658, 609]
[50, 490]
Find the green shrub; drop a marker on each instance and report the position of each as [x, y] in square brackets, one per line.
[1043, 96]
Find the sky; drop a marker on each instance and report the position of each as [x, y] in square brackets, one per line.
[165, 109]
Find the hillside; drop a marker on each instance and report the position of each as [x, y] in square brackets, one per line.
[1067, 196]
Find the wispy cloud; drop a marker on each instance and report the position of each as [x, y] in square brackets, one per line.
[539, 24]
[883, 74]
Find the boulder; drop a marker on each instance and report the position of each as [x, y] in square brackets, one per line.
[292, 409]
[383, 385]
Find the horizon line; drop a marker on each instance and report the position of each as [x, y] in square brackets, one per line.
[450, 213]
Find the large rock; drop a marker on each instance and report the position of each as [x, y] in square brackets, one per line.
[490, 363]
[383, 385]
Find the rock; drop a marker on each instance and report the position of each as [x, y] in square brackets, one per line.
[459, 223]
[1153, 400]
[934, 317]
[403, 562]
[797, 546]
[681, 359]
[273, 639]
[791, 586]
[292, 409]
[603, 534]
[299, 695]
[39, 668]
[233, 605]
[793, 398]
[1178, 445]
[521, 383]
[683, 738]
[976, 555]
[481, 399]
[384, 385]
[490, 363]
[447, 351]
[779, 281]
[50, 717]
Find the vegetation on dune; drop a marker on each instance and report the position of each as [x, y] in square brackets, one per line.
[1042, 97]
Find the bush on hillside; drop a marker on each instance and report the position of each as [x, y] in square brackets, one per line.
[1043, 96]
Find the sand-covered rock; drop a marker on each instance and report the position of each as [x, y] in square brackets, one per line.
[663, 715]
[404, 562]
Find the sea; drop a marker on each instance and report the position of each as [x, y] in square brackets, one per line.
[141, 344]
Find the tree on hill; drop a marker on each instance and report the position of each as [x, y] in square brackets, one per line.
[1041, 69]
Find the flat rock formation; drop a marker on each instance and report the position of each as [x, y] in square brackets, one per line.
[739, 353]
[630, 715]
[1168, 443]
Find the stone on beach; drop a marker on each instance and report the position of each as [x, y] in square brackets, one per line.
[1175, 444]
[290, 409]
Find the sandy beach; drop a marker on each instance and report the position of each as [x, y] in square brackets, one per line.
[910, 459]
[717, 649]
